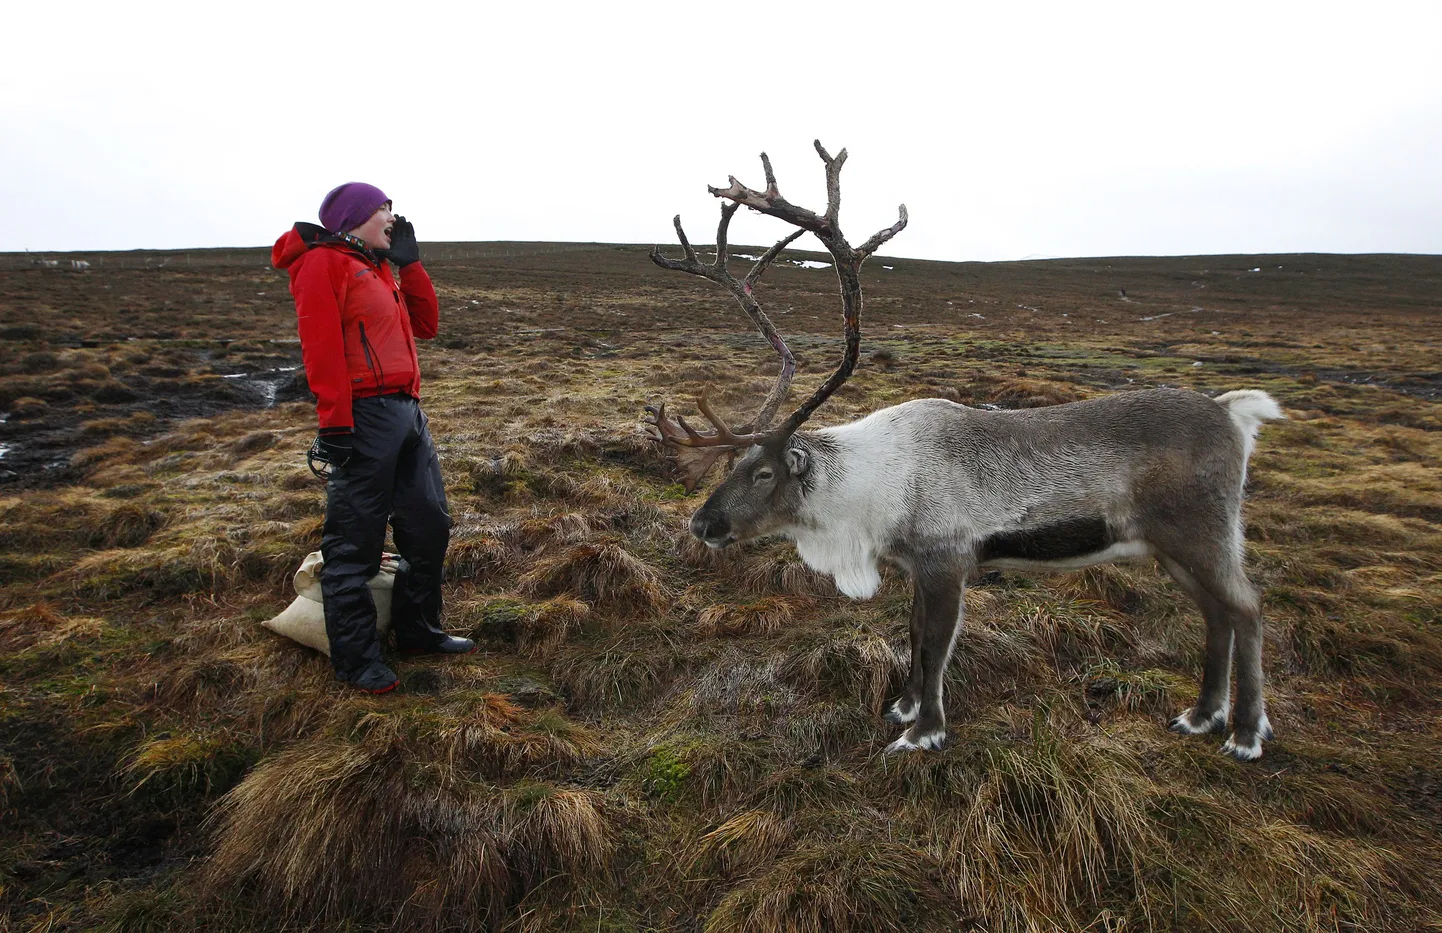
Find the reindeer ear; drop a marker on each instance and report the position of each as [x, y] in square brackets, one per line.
[798, 461]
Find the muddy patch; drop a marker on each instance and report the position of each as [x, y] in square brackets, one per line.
[39, 439]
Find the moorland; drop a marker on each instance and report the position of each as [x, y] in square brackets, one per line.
[658, 737]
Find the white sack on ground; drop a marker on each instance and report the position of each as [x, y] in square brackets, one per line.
[304, 619]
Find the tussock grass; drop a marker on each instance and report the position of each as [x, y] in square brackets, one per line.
[1379, 645]
[762, 617]
[1073, 632]
[1130, 589]
[21, 628]
[602, 573]
[497, 738]
[477, 556]
[836, 886]
[1017, 392]
[373, 823]
[735, 685]
[658, 736]
[184, 766]
[697, 556]
[555, 832]
[779, 570]
[741, 842]
[1032, 823]
[544, 628]
[823, 731]
[618, 674]
[237, 670]
[127, 525]
[1152, 691]
[252, 443]
[201, 566]
[319, 833]
[852, 662]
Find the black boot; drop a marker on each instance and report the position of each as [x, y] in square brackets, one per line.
[449, 644]
[375, 677]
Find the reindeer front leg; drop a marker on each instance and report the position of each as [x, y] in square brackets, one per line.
[936, 620]
[904, 708]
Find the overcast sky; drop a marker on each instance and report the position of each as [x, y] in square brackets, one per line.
[1010, 130]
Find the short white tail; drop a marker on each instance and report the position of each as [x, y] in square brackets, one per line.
[1249, 408]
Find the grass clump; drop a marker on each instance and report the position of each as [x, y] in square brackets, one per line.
[328, 833]
[1151, 690]
[762, 617]
[602, 573]
[837, 886]
[395, 818]
[179, 767]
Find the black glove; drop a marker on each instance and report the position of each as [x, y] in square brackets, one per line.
[329, 451]
[404, 248]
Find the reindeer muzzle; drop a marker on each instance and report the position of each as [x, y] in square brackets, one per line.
[712, 527]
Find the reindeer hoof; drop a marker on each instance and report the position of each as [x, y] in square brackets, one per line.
[909, 741]
[1190, 723]
[1241, 749]
[901, 712]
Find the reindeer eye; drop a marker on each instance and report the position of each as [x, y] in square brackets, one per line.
[761, 475]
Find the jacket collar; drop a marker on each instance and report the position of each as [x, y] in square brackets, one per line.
[307, 236]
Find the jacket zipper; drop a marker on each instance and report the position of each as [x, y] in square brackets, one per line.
[372, 365]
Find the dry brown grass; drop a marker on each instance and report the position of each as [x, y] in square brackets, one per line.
[854, 661]
[838, 885]
[762, 617]
[779, 570]
[319, 833]
[658, 736]
[399, 819]
[602, 573]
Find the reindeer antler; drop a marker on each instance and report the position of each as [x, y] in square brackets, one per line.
[848, 259]
[694, 452]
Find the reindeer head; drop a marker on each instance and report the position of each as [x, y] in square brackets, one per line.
[767, 486]
[762, 496]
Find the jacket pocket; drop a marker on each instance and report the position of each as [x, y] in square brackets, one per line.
[373, 363]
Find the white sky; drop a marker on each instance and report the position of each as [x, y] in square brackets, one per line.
[1010, 130]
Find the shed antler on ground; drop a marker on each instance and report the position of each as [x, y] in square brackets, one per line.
[695, 452]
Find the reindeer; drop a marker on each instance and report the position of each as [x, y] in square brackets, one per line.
[942, 490]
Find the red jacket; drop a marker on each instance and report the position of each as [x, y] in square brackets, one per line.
[357, 329]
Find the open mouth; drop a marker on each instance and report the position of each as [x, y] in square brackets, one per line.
[387, 232]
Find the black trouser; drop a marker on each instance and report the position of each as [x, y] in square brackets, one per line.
[394, 475]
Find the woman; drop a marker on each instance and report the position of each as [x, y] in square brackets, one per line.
[357, 336]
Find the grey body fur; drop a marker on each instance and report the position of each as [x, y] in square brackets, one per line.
[940, 490]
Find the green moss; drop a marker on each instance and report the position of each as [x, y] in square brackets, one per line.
[664, 776]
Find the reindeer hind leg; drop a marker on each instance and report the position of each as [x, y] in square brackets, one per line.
[1225, 582]
[1214, 700]
[1250, 725]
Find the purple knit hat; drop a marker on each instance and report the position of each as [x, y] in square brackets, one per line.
[350, 205]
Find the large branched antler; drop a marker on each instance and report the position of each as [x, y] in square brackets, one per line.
[848, 259]
[695, 452]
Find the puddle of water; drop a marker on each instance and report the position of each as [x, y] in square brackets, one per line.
[268, 381]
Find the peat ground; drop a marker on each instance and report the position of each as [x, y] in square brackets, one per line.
[658, 738]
